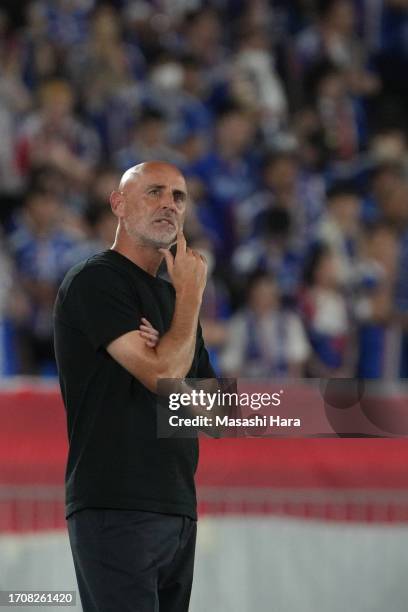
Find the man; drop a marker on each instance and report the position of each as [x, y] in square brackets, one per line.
[130, 497]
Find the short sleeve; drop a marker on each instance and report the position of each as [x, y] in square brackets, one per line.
[102, 304]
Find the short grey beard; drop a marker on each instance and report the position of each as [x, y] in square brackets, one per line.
[146, 242]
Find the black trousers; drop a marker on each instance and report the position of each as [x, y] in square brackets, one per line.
[131, 560]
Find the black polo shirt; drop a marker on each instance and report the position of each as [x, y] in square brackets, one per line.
[115, 459]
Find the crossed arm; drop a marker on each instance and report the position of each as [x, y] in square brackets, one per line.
[136, 351]
[141, 353]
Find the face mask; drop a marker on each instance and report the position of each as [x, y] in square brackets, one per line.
[167, 76]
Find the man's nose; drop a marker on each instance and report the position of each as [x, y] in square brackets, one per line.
[169, 203]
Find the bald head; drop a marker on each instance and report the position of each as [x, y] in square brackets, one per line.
[150, 203]
[151, 167]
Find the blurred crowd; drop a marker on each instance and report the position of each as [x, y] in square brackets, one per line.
[288, 120]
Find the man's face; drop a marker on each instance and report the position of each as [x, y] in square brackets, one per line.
[237, 130]
[44, 210]
[155, 206]
[342, 17]
[263, 297]
[345, 209]
[282, 174]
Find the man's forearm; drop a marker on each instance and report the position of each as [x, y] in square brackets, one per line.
[175, 350]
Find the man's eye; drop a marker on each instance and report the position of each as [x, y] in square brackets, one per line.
[154, 192]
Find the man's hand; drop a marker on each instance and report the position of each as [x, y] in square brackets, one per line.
[187, 270]
[148, 333]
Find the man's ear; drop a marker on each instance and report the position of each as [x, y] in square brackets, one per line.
[117, 204]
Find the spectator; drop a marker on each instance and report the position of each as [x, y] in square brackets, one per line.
[53, 135]
[264, 340]
[386, 177]
[227, 173]
[341, 116]
[12, 305]
[177, 87]
[108, 180]
[103, 71]
[100, 230]
[378, 336]
[275, 250]
[15, 100]
[257, 83]
[285, 185]
[40, 250]
[41, 60]
[333, 38]
[326, 317]
[67, 23]
[389, 145]
[215, 307]
[150, 141]
[339, 230]
[395, 211]
[202, 36]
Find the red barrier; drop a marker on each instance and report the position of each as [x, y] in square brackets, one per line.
[290, 476]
